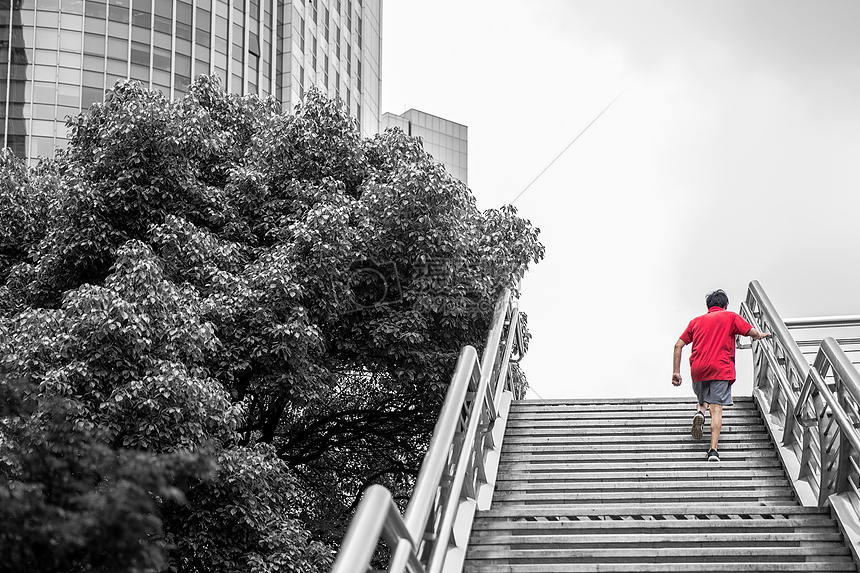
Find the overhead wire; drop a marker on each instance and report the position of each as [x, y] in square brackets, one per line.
[520, 194]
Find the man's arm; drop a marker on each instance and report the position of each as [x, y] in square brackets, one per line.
[756, 335]
[676, 362]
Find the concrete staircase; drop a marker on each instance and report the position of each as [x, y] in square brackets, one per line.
[619, 485]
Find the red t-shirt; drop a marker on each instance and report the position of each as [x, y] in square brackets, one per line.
[713, 338]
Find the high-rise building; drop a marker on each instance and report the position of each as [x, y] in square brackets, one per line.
[59, 56]
[446, 141]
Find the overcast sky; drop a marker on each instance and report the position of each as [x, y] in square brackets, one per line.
[733, 155]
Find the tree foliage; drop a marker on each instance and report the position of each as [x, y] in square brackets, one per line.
[219, 323]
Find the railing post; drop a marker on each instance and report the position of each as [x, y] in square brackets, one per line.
[502, 379]
[842, 484]
[828, 458]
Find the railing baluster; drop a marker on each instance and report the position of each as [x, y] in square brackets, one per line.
[825, 394]
[454, 469]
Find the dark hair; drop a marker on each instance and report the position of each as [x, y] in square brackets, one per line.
[717, 298]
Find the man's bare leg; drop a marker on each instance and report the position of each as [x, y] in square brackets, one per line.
[716, 424]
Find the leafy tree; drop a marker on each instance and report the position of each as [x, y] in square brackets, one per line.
[24, 205]
[219, 323]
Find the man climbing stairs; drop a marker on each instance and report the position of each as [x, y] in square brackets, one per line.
[620, 485]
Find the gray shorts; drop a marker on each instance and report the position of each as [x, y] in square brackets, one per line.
[714, 392]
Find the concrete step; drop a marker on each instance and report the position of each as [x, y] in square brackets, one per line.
[677, 431]
[662, 413]
[632, 407]
[525, 463]
[535, 541]
[625, 403]
[591, 524]
[815, 566]
[639, 409]
[679, 511]
[643, 486]
[728, 442]
[715, 553]
[642, 498]
[620, 474]
[819, 566]
[681, 429]
[684, 457]
[523, 419]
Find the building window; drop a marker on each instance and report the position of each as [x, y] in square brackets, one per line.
[94, 44]
[182, 75]
[254, 65]
[139, 54]
[238, 42]
[141, 14]
[302, 34]
[221, 34]
[163, 21]
[204, 27]
[301, 81]
[90, 95]
[96, 9]
[118, 11]
[183, 20]
[337, 41]
[348, 16]
[325, 72]
[71, 41]
[325, 22]
[314, 55]
[161, 58]
[140, 73]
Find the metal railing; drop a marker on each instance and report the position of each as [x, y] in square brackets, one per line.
[812, 410]
[458, 474]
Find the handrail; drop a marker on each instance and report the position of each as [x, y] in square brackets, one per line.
[385, 523]
[757, 297]
[457, 469]
[420, 503]
[815, 423]
[822, 321]
[839, 413]
[832, 354]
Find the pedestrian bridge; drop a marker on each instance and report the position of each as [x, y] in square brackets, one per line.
[619, 485]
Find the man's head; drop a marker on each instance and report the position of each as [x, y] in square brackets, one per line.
[717, 298]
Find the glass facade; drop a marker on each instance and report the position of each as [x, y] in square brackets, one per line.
[59, 56]
[446, 141]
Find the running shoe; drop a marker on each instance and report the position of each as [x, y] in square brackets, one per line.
[696, 430]
[713, 455]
